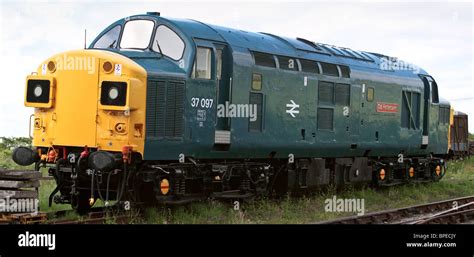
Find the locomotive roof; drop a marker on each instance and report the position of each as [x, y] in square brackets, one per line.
[458, 113]
[291, 47]
[444, 102]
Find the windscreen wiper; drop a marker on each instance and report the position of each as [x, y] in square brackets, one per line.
[159, 48]
[111, 45]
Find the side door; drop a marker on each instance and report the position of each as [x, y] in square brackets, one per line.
[366, 91]
[430, 111]
[354, 114]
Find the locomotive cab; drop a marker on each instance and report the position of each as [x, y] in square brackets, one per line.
[153, 42]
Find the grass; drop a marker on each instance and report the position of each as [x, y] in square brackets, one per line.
[6, 147]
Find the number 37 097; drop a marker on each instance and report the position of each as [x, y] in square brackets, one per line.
[202, 102]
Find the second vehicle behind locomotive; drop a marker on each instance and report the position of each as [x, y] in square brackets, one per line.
[178, 110]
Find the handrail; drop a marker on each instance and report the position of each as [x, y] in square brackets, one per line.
[29, 127]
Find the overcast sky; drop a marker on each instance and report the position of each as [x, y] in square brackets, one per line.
[436, 36]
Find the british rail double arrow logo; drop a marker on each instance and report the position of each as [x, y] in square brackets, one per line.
[294, 108]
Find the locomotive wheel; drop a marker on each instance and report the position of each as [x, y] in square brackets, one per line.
[80, 202]
[145, 193]
[279, 187]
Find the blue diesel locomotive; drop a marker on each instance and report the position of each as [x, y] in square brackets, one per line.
[178, 110]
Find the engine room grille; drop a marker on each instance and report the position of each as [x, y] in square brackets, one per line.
[343, 94]
[326, 93]
[256, 99]
[165, 108]
[325, 118]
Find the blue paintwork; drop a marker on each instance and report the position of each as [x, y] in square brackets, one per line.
[282, 133]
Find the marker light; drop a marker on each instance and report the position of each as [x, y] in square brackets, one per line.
[164, 186]
[382, 174]
[107, 66]
[51, 66]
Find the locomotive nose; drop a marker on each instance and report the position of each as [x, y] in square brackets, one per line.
[66, 88]
[82, 98]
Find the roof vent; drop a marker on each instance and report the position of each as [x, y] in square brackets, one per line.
[153, 13]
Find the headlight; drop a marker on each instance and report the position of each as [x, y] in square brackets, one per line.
[113, 93]
[38, 91]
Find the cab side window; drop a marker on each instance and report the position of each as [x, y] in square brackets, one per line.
[434, 92]
[168, 43]
[202, 64]
[109, 39]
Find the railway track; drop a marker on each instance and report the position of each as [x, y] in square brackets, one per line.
[101, 217]
[98, 215]
[453, 211]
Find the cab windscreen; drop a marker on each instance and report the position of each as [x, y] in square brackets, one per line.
[38, 91]
[113, 93]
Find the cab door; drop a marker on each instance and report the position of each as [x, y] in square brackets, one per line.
[223, 66]
[426, 112]
[212, 88]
